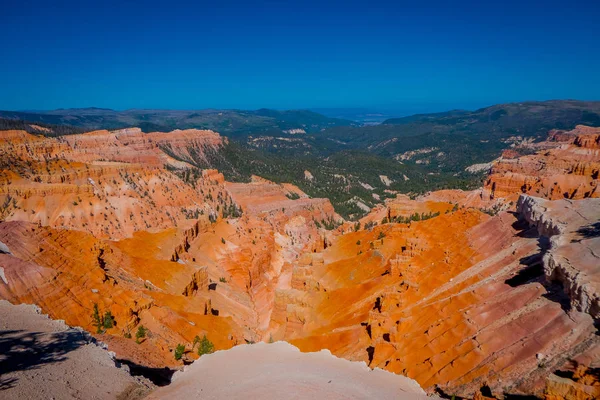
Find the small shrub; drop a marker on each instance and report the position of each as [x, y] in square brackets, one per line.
[179, 350]
[205, 346]
[358, 243]
[141, 333]
[222, 279]
[223, 240]
[108, 321]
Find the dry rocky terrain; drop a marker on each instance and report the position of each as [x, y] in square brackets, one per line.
[491, 292]
[279, 370]
[43, 358]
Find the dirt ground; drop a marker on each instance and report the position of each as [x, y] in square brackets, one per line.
[44, 359]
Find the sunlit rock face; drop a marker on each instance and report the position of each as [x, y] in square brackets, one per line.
[110, 184]
[195, 255]
[456, 302]
[489, 288]
[566, 166]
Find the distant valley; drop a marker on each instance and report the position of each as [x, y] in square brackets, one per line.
[356, 166]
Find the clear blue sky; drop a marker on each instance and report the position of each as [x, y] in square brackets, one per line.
[299, 54]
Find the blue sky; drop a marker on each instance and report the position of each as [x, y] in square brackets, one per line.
[230, 54]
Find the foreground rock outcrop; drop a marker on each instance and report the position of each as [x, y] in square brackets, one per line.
[573, 259]
[279, 370]
[42, 358]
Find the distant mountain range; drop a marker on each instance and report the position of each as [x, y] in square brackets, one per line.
[346, 158]
[365, 116]
[487, 125]
[233, 123]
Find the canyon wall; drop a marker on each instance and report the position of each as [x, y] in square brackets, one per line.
[566, 166]
[489, 291]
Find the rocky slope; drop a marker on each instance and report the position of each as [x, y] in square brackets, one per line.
[488, 293]
[566, 166]
[574, 255]
[457, 302]
[110, 184]
[42, 358]
[183, 268]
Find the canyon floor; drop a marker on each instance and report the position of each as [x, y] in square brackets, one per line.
[487, 293]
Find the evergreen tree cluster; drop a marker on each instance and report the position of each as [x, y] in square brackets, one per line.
[102, 322]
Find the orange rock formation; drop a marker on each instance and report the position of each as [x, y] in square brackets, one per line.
[457, 302]
[567, 167]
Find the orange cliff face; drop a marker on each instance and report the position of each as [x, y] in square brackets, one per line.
[567, 167]
[460, 301]
[110, 184]
[66, 272]
[403, 206]
[457, 302]
[466, 300]
[179, 268]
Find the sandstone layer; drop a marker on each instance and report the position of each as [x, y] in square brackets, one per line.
[191, 259]
[110, 184]
[485, 292]
[457, 302]
[567, 166]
